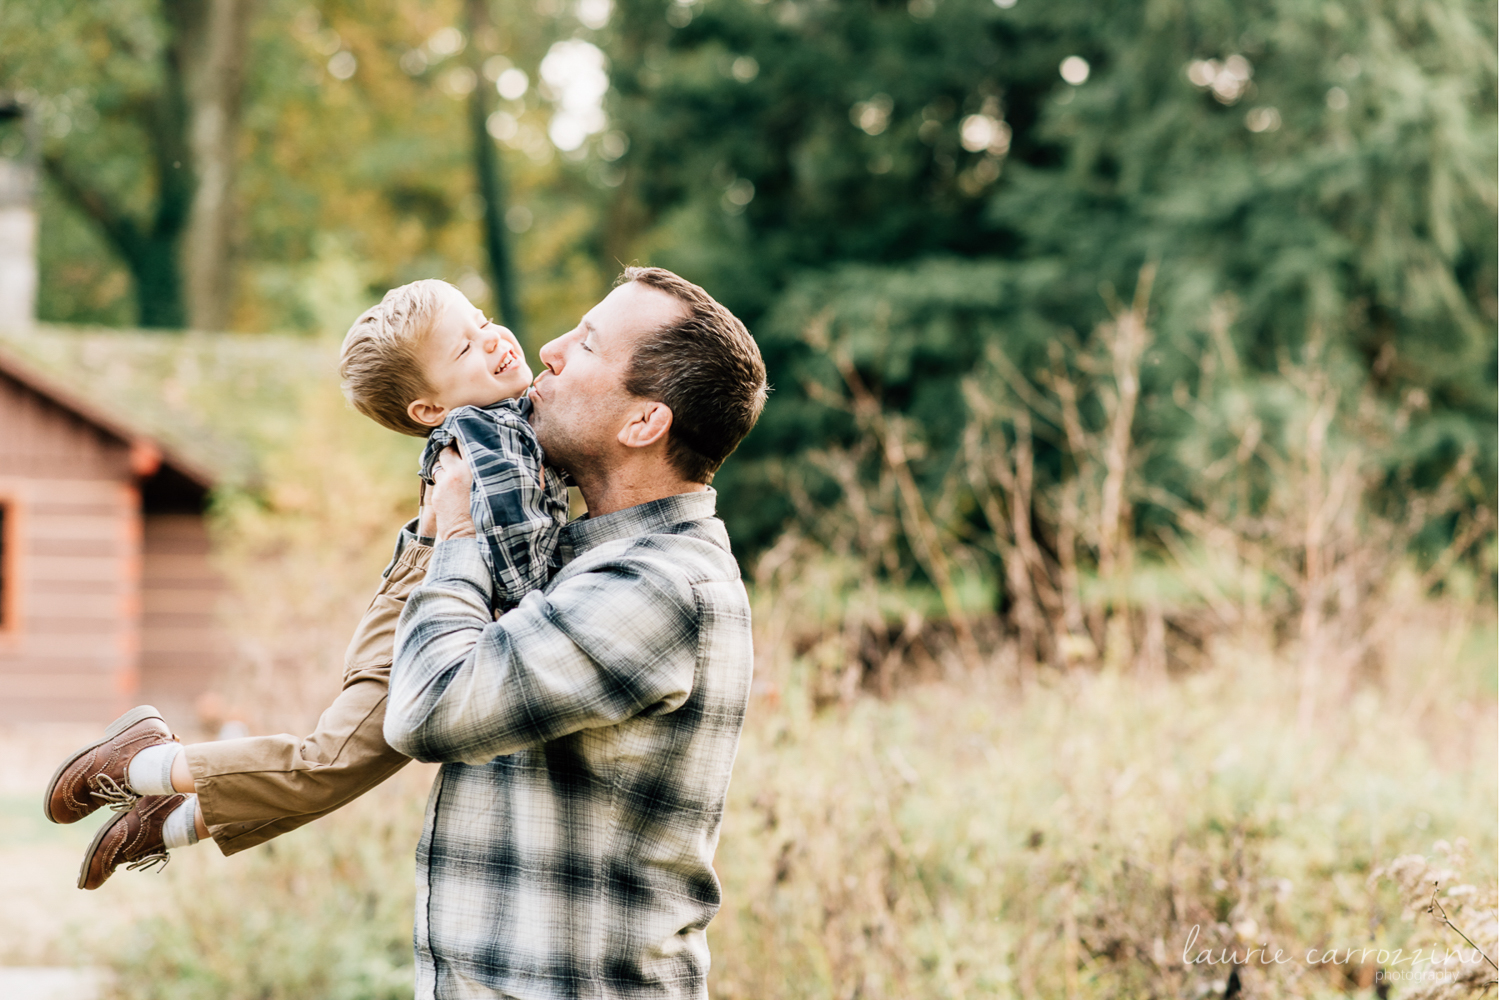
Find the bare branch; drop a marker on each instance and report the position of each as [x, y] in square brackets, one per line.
[1436, 909]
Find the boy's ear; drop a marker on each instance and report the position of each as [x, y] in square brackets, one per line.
[648, 425]
[425, 413]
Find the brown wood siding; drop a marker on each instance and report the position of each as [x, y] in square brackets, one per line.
[106, 609]
[182, 645]
[72, 654]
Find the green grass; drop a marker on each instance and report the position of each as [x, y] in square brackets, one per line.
[323, 913]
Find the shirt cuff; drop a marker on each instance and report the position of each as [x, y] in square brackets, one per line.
[459, 560]
[406, 539]
[409, 534]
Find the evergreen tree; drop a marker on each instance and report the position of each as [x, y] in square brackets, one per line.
[947, 173]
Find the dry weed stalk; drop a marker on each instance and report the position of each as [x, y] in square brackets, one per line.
[1449, 974]
[1087, 512]
[1292, 513]
[1288, 523]
[896, 451]
[1436, 909]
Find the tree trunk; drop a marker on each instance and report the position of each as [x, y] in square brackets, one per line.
[489, 182]
[158, 283]
[149, 246]
[215, 48]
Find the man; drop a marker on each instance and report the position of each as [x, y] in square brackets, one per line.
[587, 735]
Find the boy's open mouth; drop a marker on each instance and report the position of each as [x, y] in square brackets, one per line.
[506, 363]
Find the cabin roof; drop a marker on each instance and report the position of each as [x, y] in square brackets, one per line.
[148, 452]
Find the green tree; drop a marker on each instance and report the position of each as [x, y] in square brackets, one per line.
[370, 136]
[132, 98]
[943, 174]
[488, 178]
[362, 126]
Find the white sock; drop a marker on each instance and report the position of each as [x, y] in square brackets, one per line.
[150, 770]
[179, 830]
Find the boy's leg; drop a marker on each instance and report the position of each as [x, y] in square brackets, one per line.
[251, 790]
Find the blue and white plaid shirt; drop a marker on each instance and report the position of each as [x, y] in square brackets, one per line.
[519, 506]
[587, 738]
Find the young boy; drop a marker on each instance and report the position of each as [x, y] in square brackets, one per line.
[423, 362]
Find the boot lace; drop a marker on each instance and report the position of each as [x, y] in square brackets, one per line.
[115, 795]
[158, 861]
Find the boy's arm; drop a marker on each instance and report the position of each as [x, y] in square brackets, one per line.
[518, 506]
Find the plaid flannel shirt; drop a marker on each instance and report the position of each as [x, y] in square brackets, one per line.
[587, 738]
[519, 507]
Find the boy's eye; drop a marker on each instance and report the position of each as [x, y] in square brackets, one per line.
[465, 350]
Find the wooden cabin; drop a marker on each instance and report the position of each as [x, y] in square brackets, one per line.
[107, 594]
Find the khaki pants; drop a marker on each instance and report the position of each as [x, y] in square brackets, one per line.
[253, 789]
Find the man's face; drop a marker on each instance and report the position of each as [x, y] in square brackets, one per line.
[579, 402]
[468, 360]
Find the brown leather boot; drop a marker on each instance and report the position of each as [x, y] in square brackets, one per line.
[131, 838]
[95, 775]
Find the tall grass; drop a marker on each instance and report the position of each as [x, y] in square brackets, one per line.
[1064, 836]
[323, 914]
[1074, 836]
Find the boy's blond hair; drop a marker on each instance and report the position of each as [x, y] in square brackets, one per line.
[378, 364]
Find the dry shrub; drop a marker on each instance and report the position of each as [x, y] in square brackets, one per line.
[1287, 514]
[1460, 937]
[1075, 836]
[303, 555]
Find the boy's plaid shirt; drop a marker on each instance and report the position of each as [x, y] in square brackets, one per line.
[588, 737]
[519, 507]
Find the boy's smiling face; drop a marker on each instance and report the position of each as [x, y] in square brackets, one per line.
[467, 361]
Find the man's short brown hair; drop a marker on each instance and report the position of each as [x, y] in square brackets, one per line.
[705, 367]
[378, 364]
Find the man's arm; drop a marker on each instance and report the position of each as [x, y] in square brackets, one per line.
[601, 647]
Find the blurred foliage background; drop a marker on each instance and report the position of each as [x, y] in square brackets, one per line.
[933, 177]
[1127, 484]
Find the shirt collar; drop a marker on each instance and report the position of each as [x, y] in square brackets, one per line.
[642, 519]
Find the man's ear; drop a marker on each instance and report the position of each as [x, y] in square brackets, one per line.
[648, 425]
[425, 413]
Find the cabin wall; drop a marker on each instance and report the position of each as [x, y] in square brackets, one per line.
[70, 644]
[101, 606]
[182, 645]
[70, 635]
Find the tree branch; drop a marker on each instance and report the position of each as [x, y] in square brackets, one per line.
[121, 230]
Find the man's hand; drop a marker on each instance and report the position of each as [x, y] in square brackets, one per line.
[449, 496]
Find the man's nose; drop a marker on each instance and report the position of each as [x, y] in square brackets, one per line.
[551, 355]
